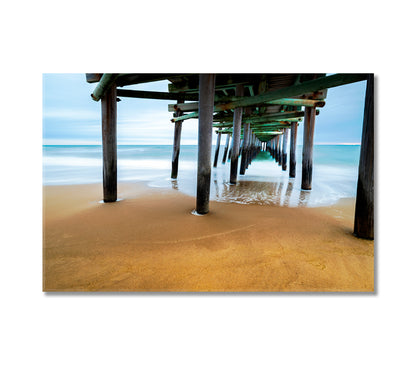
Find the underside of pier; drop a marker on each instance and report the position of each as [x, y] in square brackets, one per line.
[255, 111]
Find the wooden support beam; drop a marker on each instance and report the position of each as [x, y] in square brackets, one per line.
[238, 114]
[227, 143]
[364, 205]
[268, 132]
[217, 149]
[176, 146]
[261, 123]
[103, 85]
[298, 102]
[93, 77]
[109, 139]
[293, 138]
[180, 97]
[191, 107]
[284, 149]
[206, 104]
[129, 79]
[295, 90]
[254, 118]
[223, 81]
[186, 116]
[307, 154]
[244, 151]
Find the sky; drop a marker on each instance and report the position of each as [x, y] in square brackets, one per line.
[70, 116]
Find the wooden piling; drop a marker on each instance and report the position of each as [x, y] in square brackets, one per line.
[231, 148]
[279, 149]
[206, 107]
[217, 149]
[274, 147]
[293, 138]
[244, 152]
[109, 139]
[227, 143]
[284, 150]
[176, 143]
[307, 153]
[238, 114]
[364, 205]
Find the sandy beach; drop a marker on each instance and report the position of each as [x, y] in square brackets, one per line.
[150, 241]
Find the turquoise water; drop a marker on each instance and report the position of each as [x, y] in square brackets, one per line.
[335, 173]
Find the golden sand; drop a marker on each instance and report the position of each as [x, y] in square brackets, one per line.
[150, 241]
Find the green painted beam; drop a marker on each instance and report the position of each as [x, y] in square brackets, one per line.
[103, 85]
[298, 102]
[185, 116]
[266, 133]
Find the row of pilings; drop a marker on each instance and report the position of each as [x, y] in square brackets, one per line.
[249, 148]
[364, 213]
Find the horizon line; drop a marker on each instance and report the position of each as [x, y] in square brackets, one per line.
[99, 144]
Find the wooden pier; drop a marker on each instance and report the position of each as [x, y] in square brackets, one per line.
[255, 111]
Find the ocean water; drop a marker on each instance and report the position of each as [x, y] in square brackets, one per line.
[335, 172]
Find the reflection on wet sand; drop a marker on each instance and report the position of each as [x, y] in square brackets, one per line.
[217, 189]
[304, 197]
[289, 189]
[174, 184]
[279, 192]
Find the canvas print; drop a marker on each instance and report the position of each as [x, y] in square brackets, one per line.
[171, 182]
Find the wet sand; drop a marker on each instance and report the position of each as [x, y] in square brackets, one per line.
[150, 241]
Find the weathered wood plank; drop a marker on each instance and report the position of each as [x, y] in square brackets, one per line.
[206, 104]
[159, 96]
[93, 77]
[188, 107]
[185, 116]
[364, 205]
[129, 79]
[109, 141]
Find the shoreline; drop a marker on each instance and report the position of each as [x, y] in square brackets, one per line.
[150, 241]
